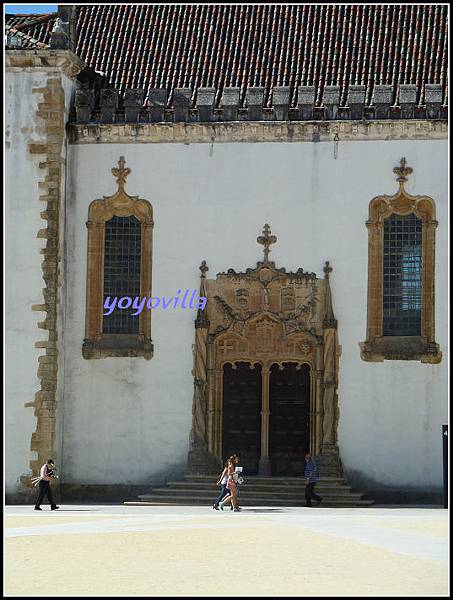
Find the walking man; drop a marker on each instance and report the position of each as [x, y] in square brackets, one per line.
[45, 475]
[312, 477]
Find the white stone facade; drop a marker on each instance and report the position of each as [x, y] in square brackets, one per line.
[23, 264]
[127, 420]
[210, 202]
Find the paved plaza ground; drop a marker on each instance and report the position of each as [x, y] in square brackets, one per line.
[120, 550]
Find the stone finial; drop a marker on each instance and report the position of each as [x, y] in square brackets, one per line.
[255, 99]
[266, 240]
[204, 269]
[58, 26]
[63, 34]
[133, 102]
[121, 173]
[84, 104]
[331, 100]
[329, 320]
[157, 100]
[230, 103]
[205, 103]
[433, 100]
[181, 104]
[382, 100]
[402, 171]
[356, 101]
[202, 321]
[407, 100]
[327, 269]
[306, 101]
[280, 101]
[108, 102]
[59, 36]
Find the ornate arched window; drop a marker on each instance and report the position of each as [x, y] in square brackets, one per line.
[119, 266]
[401, 253]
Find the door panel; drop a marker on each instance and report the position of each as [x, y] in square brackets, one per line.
[289, 405]
[242, 414]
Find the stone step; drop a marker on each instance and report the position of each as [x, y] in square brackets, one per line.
[256, 491]
[266, 480]
[245, 493]
[258, 486]
[190, 501]
[163, 493]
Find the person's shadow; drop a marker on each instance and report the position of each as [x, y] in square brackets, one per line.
[261, 510]
[60, 510]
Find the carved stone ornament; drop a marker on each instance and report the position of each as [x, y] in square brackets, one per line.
[263, 316]
[96, 344]
[378, 347]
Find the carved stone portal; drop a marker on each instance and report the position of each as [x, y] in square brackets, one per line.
[265, 316]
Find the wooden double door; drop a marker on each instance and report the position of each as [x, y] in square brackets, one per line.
[279, 435]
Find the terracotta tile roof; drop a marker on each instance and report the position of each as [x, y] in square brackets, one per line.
[37, 27]
[17, 40]
[215, 45]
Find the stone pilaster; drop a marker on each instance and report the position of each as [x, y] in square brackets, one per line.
[328, 459]
[200, 461]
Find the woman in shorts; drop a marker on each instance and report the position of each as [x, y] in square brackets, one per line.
[231, 485]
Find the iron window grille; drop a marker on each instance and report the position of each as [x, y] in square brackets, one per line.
[122, 263]
[402, 275]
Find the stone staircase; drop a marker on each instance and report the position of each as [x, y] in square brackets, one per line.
[256, 491]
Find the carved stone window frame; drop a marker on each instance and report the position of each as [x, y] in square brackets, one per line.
[97, 344]
[378, 347]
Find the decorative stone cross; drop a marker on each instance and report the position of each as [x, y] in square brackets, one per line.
[327, 269]
[266, 240]
[402, 171]
[203, 268]
[121, 173]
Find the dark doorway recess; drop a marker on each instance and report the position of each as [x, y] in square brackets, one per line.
[289, 405]
[242, 414]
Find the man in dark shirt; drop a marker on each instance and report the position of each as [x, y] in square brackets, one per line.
[45, 475]
[312, 477]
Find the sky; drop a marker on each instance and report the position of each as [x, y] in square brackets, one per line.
[30, 9]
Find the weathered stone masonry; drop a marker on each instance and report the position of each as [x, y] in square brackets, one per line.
[51, 111]
[51, 151]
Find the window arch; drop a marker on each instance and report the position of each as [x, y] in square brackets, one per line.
[401, 258]
[119, 264]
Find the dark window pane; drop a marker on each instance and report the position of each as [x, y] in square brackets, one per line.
[122, 262]
[402, 275]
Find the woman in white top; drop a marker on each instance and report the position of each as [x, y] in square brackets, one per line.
[222, 481]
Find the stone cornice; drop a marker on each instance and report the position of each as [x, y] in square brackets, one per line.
[294, 131]
[49, 61]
